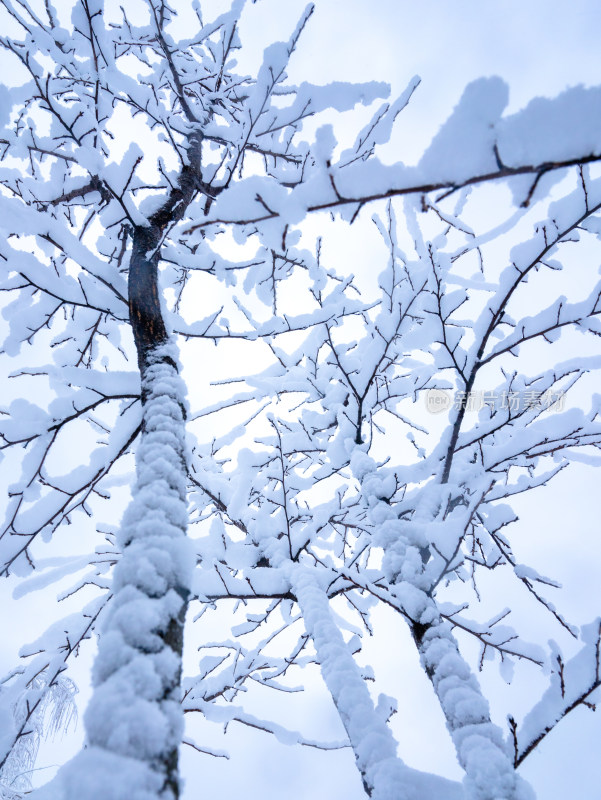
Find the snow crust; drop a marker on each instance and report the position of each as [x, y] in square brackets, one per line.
[556, 129]
[580, 675]
[97, 774]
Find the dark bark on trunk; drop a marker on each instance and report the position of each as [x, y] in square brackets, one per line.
[145, 312]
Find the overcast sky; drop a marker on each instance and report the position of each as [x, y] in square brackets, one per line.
[538, 46]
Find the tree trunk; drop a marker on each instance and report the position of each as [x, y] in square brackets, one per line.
[479, 744]
[135, 710]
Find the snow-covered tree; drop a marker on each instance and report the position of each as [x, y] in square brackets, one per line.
[157, 198]
[54, 714]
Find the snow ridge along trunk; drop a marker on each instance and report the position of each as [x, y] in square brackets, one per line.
[383, 774]
[135, 710]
